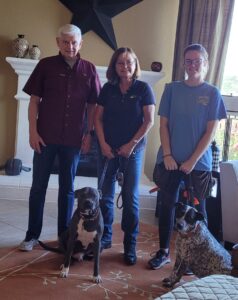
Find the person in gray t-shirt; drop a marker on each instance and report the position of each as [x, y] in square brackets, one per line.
[189, 114]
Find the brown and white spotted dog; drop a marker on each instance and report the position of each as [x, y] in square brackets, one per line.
[196, 248]
[84, 233]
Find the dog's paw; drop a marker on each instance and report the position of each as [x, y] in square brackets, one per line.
[64, 272]
[166, 282]
[97, 279]
[78, 256]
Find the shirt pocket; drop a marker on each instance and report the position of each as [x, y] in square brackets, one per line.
[82, 85]
[56, 84]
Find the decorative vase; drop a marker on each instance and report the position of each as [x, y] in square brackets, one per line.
[20, 46]
[156, 66]
[34, 52]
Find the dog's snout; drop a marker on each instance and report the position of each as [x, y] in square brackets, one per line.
[88, 204]
[179, 226]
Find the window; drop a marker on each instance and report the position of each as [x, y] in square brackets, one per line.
[230, 77]
[227, 134]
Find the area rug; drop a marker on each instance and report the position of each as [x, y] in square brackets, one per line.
[35, 274]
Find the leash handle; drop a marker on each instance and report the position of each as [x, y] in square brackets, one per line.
[117, 202]
[121, 181]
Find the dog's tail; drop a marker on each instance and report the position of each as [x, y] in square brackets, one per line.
[49, 248]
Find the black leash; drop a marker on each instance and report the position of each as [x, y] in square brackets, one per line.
[120, 177]
[190, 198]
[100, 184]
[120, 180]
[189, 189]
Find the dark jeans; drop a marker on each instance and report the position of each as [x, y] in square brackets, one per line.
[169, 195]
[130, 197]
[68, 158]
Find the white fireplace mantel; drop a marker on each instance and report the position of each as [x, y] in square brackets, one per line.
[23, 68]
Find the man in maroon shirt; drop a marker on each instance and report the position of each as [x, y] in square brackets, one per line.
[61, 88]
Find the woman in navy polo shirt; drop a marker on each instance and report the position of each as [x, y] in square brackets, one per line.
[124, 115]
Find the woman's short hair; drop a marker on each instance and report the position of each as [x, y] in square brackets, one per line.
[196, 47]
[70, 29]
[111, 71]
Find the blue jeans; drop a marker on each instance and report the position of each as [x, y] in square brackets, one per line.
[130, 196]
[68, 158]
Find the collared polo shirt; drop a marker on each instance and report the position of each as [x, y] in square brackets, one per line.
[64, 93]
[123, 113]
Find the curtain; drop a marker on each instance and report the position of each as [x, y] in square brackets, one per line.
[206, 22]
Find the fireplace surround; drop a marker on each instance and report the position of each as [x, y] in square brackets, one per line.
[23, 68]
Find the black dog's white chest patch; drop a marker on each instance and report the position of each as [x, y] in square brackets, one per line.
[85, 236]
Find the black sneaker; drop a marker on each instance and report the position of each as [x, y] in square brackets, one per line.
[130, 260]
[188, 272]
[159, 260]
[105, 245]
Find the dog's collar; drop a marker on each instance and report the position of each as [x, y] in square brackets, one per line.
[91, 217]
[190, 233]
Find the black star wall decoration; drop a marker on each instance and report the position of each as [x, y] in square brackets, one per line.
[97, 15]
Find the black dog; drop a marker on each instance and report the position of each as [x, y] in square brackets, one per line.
[84, 233]
[196, 248]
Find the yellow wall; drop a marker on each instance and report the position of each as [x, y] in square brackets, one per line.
[148, 27]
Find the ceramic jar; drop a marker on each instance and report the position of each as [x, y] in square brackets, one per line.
[20, 46]
[34, 52]
[156, 66]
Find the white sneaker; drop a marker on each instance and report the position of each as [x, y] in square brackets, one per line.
[28, 245]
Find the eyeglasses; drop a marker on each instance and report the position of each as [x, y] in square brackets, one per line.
[196, 62]
[125, 63]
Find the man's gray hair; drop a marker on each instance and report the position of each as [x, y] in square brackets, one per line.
[70, 29]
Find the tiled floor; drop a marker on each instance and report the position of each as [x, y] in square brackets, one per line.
[14, 217]
[14, 193]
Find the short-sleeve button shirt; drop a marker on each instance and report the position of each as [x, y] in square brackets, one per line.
[64, 93]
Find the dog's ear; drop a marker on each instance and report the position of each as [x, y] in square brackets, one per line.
[199, 216]
[180, 210]
[99, 194]
[77, 193]
[179, 205]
